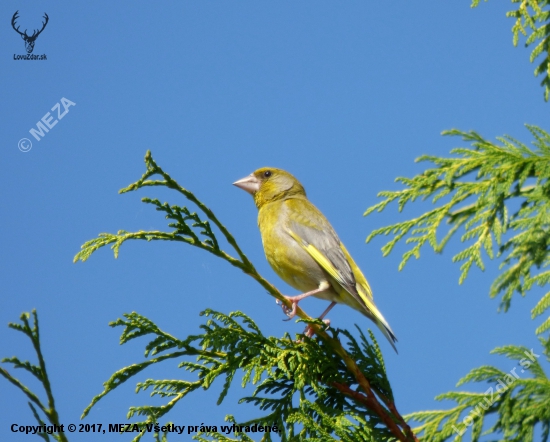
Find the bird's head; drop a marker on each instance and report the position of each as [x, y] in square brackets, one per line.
[269, 184]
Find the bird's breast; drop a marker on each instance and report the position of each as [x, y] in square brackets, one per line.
[287, 258]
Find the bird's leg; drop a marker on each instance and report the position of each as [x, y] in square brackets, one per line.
[329, 308]
[309, 330]
[296, 299]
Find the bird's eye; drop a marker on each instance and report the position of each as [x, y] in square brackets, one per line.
[267, 173]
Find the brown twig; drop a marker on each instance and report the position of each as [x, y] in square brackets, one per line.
[370, 402]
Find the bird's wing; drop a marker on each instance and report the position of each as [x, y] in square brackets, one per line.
[362, 283]
[308, 226]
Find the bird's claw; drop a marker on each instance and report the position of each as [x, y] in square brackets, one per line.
[290, 312]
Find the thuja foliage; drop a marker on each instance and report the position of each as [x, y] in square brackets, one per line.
[302, 389]
[48, 425]
[519, 403]
[316, 389]
[498, 196]
[532, 20]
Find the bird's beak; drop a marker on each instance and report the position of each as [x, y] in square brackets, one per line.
[249, 184]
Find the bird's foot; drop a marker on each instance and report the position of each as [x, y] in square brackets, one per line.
[294, 300]
[309, 329]
[290, 312]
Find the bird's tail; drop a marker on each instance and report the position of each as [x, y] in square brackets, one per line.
[367, 307]
[375, 315]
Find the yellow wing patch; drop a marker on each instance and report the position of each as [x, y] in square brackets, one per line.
[319, 257]
[362, 283]
[362, 286]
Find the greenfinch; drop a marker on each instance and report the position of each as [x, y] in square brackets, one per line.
[304, 250]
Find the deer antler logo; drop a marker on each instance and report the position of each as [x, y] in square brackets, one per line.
[29, 39]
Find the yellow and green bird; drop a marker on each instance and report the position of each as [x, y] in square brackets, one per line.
[303, 248]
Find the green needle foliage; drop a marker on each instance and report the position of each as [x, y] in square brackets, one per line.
[52, 429]
[312, 389]
[498, 194]
[298, 385]
[519, 403]
[532, 20]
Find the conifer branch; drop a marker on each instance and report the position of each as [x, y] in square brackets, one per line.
[532, 20]
[498, 195]
[39, 372]
[281, 368]
[191, 228]
[520, 403]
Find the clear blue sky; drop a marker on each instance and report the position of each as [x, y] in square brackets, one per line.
[345, 95]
